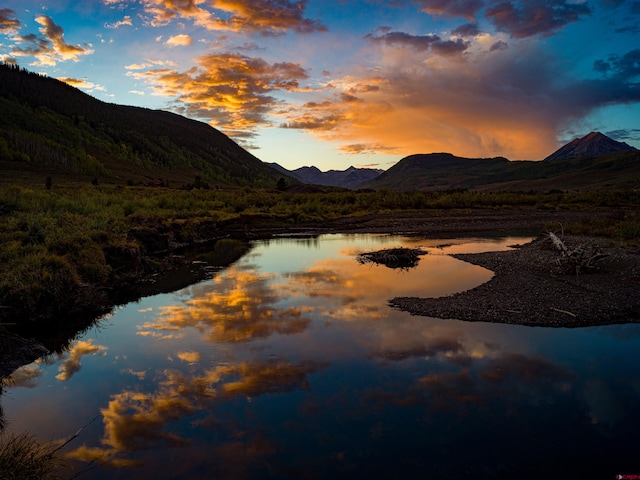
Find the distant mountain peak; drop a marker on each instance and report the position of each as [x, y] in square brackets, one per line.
[591, 145]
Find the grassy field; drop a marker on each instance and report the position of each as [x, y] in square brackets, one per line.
[83, 238]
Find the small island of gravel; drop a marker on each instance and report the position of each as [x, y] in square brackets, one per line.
[529, 289]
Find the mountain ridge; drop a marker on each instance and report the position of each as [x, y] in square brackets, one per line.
[67, 132]
[350, 178]
[430, 172]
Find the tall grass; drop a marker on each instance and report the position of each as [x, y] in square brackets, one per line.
[23, 457]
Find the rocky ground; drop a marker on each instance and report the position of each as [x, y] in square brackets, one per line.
[529, 288]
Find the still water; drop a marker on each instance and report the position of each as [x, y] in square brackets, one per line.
[289, 364]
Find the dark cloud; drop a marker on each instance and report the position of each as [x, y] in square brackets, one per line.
[632, 134]
[8, 21]
[449, 47]
[451, 8]
[467, 30]
[419, 42]
[522, 19]
[612, 3]
[499, 45]
[625, 67]
[401, 39]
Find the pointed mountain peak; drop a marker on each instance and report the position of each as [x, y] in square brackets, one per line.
[591, 145]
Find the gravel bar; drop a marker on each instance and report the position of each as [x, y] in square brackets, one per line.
[528, 289]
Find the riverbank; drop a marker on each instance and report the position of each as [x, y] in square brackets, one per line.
[17, 351]
[529, 288]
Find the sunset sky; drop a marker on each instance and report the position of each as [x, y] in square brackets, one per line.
[335, 83]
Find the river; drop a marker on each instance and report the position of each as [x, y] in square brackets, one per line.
[289, 364]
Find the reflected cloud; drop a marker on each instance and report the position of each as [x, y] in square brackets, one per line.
[421, 348]
[358, 289]
[136, 421]
[189, 357]
[513, 380]
[72, 364]
[26, 377]
[237, 307]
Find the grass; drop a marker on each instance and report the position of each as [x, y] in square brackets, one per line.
[23, 457]
[86, 239]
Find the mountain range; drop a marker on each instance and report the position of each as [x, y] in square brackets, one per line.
[591, 162]
[50, 128]
[350, 178]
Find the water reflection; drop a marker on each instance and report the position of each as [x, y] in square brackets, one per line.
[290, 364]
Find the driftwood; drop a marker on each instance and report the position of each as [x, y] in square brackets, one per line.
[403, 258]
[576, 260]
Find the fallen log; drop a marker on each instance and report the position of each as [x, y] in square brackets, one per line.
[576, 260]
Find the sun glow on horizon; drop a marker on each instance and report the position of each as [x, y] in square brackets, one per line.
[344, 83]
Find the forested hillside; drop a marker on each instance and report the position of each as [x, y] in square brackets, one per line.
[49, 126]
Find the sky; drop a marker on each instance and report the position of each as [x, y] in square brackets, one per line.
[339, 83]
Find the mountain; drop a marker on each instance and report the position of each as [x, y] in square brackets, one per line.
[50, 128]
[436, 171]
[444, 171]
[592, 145]
[350, 178]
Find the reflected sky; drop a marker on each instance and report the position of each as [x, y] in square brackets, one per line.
[290, 364]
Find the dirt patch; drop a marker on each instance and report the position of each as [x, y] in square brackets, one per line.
[529, 288]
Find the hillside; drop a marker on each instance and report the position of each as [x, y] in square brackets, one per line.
[350, 178]
[48, 127]
[444, 171]
[437, 171]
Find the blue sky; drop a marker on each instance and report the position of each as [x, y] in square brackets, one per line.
[351, 82]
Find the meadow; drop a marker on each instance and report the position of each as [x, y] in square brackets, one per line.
[65, 247]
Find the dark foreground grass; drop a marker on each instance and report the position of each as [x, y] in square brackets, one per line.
[23, 457]
[65, 248]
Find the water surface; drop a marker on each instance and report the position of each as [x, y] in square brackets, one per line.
[290, 364]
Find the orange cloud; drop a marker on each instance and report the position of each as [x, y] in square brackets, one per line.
[485, 104]
[232, 91]
[181, 40]
[51, 47]
[266, 17]
[9, 24]
[72, 365]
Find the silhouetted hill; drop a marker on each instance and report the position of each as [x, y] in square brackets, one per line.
[350, 178]
[49, 126]
[436, 171]
[591, 145]
[444, 171]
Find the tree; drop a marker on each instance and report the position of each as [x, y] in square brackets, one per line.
[282, 184]
[48, 182]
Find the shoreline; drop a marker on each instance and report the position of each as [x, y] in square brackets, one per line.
[18, 351]
[528, 289]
